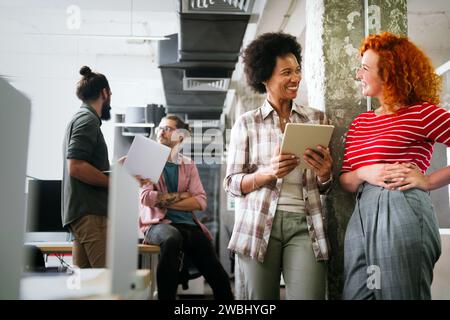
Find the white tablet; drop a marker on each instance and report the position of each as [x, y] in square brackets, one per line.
[146, 158]
[300, 136]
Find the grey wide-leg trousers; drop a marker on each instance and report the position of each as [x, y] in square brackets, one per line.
[391, 245]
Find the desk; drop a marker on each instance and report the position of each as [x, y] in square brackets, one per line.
[149, 254]
[90, 284]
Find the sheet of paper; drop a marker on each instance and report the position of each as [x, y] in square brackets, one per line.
[146, 158]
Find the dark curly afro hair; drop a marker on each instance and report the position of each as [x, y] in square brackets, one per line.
[261, 54]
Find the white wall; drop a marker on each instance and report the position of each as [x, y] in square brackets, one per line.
[429, 27]
[54, 102]
[45, 67]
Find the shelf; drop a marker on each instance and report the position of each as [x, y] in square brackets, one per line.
[134, 125]
[132, 134]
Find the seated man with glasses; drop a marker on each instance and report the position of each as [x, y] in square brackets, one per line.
[167, 218]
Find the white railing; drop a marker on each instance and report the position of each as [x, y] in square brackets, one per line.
[444, 68]
[443, 71]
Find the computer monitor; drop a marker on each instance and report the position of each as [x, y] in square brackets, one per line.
[14, 131]
[44, 206]
[123, 214]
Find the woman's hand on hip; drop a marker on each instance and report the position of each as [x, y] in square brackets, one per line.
[406, 177]
[374, 174]
[386, 175]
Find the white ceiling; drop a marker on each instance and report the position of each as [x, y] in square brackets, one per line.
[40, 24]
[37, 45]
[157, 17]
[30, 27]
[113, 5]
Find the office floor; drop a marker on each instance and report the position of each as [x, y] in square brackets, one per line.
[53, 261]
[208, 294]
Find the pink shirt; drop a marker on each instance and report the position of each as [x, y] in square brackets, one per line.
[188, 181]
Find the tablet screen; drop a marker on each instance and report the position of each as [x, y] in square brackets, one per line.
[300, 136]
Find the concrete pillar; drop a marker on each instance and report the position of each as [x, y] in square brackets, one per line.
[334, 31]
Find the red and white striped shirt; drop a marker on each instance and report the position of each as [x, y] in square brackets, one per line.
[407, 136]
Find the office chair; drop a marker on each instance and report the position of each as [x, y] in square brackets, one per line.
[34, 259]
[188, 272]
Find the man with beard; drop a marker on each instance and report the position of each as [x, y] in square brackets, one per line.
[85, 186]
[167, 218]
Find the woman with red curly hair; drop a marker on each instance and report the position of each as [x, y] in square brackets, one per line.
[392, 240]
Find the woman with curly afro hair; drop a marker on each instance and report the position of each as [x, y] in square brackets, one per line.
[392, 239]
[279, 226]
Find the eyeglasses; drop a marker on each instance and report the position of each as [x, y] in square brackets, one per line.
[165, 129]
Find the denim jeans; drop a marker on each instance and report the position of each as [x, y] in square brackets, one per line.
[175, 239]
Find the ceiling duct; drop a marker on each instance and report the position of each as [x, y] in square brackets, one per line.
[206, 84]
[211, 37]
[208, 80]
[217, 6]
[197, 63]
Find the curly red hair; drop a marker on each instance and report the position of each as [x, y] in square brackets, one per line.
[408, 74]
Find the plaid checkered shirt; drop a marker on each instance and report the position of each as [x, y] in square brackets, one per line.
[253, 139]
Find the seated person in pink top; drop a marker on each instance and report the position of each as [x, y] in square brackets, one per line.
[167, 218]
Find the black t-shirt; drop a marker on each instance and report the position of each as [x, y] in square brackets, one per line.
[84, 141]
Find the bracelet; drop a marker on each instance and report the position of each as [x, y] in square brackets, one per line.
[325, 182]
[255, 186]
